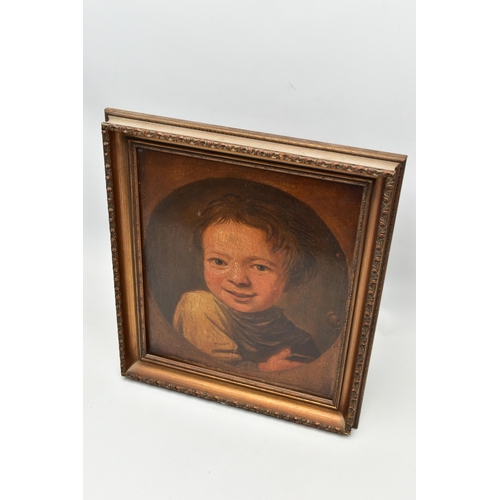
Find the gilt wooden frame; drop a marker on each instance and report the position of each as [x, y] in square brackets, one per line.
[138, 145]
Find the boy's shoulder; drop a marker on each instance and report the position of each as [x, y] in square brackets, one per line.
[197, 298]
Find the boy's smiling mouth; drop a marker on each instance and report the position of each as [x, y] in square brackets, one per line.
[240, 296]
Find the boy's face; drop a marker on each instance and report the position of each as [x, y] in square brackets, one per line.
[241, 268]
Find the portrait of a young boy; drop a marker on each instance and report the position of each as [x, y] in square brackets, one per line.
[245, 278]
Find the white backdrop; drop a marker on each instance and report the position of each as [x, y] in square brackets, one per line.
[326, 70]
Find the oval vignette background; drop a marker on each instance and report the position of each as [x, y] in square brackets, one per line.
[173, 266]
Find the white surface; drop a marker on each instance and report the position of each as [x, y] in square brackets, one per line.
[331, 71]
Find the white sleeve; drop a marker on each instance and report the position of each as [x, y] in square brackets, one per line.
[199, 320]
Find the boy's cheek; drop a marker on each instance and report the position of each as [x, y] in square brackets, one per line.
[210, 275]
[214, 273]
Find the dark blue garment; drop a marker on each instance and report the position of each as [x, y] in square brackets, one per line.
[263, 334]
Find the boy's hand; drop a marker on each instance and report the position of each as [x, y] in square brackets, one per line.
[279, 362]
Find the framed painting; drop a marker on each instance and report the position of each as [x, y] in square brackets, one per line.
[248, 267]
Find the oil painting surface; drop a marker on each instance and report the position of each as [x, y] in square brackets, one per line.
[245, 276]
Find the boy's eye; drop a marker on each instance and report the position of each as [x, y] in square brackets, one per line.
[217, 262]
[260, 267]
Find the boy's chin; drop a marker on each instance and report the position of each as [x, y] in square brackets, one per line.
[243, 307]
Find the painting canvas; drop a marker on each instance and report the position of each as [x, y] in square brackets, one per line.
[246, 271]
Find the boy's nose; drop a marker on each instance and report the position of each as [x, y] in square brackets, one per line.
[238, 276]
